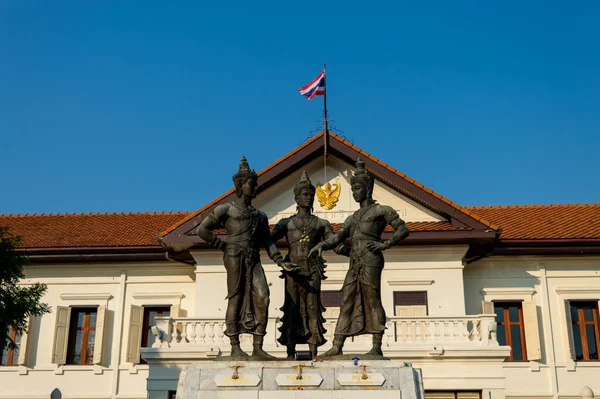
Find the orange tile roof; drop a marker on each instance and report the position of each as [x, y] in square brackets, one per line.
[118, 229]
[89, 230]
[545, 222]
[518, 222]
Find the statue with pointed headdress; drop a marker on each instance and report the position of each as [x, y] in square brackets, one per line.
[361, 311]
[247, 288]
[302, 321]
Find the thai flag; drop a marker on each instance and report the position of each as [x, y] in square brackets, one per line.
[314, 88]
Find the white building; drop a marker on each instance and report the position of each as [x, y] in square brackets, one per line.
[534, 270]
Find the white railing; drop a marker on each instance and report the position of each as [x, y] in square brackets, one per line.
[479, 328]
[401, 331]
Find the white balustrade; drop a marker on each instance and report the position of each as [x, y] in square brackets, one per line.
[401, 330]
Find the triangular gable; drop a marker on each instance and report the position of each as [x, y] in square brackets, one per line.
[278, 201]
[180, 235]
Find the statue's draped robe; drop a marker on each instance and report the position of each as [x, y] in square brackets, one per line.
[361, 311]
[303, 321]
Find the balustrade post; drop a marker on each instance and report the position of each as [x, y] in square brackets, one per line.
[465, 330]
[455, 331]
[183, 337]
[202, 333]
[418, 330]
[225, 337]
[447, 330]
[404, 330]
[174, 332]
[430, 331]
[209, 328]
[389, 332]
[218, 330]
[192, 332]
[411, 330]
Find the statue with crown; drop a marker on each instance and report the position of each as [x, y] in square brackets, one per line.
[361, 311]
[247, 287]
[302, 321]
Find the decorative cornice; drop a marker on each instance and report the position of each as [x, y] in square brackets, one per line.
[406, 281]
[157, 295]
[508, 291]
[577, 290]
[86, 296]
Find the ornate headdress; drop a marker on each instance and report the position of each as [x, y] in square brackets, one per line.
[243, 174]
[303, 184]
[361, 176]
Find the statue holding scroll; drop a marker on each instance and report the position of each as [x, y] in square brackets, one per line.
[302, 321]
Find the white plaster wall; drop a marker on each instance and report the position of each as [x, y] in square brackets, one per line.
[115, 378]
[453, 290]
[551, 280]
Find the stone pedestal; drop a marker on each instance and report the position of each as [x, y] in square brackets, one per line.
[338, 379]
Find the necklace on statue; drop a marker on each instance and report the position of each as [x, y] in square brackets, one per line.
[305, 229]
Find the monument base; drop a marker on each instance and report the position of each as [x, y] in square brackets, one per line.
[333, 379]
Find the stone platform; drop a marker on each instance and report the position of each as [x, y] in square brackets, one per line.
[333, 379]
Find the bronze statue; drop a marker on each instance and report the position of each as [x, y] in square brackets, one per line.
[361, 311]
[302, 309]
[247, 289]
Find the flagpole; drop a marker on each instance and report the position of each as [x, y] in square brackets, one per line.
[325, 131]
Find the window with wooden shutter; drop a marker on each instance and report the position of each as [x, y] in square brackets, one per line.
[511, 329]
[570, 341]
[410, 303]
[532, 331]
[135, 334]
[61, 335]
[22, 352]
[10, 356]
[98, 342]
[82, 335]
[150, 315]
[585, 325]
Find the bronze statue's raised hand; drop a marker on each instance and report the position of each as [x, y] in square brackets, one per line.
[289, 267]
[375, 246]
[317, 249]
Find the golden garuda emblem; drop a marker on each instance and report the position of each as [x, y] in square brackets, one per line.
[328, 196]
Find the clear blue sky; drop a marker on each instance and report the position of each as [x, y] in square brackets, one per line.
[130, 105]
